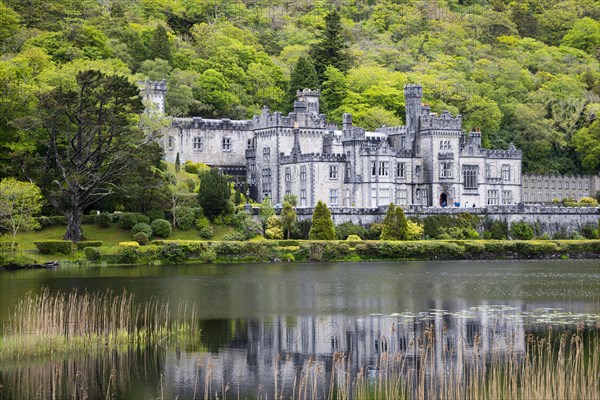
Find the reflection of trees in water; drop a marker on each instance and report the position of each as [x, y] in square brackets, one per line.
[104, 375]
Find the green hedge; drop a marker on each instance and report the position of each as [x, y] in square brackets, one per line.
[52, 221]
[54, 246]
[88, 243]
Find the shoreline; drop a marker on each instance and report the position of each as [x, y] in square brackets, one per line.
[166, 252]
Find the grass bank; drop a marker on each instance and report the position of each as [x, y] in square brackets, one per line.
[115, 247]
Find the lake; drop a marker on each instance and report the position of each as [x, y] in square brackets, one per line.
[266, 320]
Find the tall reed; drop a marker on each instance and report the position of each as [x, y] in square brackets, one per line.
[47, 323]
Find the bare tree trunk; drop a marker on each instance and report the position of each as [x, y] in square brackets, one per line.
[74, 231]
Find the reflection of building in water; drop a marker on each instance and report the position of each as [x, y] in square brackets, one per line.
[250, 357]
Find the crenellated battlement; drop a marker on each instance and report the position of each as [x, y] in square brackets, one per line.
[312, 157]
[444, 121]
[212, 124]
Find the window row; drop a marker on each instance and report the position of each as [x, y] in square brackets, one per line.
[382, 168]
[553, 185]
[493, 198]
[198, 143]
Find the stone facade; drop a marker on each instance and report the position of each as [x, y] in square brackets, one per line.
[430, 161]
[538, 188]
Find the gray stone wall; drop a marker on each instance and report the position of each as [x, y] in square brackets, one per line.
[551, 219]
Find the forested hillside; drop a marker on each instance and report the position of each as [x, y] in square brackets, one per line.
[523, 71]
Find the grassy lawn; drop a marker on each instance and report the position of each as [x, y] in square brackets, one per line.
[109, 236]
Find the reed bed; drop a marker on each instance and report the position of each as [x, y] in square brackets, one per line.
[44, 324]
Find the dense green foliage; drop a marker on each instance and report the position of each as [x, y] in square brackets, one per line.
[395, 226]
[322, 225]
[524, 71]
[54, 246]
[214, 193]
[161, 228]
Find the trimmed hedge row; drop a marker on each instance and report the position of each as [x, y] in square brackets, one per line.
[54, 246]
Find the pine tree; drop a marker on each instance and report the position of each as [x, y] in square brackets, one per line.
[332, 48]
[333, 90]
[395, 226]
[388, 223]
[303, 76]
[322, 224]
[214, 193]
[400, 225]
[177, 163]
[159, 46]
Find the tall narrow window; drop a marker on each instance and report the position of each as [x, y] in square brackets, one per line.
[303, 198]
[506, 197]
[384, 197]
[446, 169]
[347, 200]
[267, 154]
[226, 144]
[333, 197]
[401, 196]
[288, 174]
[171, 141]
[470, 176]
[400, 170]
[384, 168]
[373, 197]
[333, 172]
[266, 182]
[492, 197]
[303, 173]
[197, 143]
[373, 168]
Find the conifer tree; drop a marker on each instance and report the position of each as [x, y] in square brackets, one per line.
[388, 223]
[177, 163]
[322, 224]
[159, 46]
[214, 193]
[400, 224]
[332, 48]
[333, 90]
[303, 76]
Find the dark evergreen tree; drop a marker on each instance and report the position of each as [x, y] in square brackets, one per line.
[395, 226]
[388, 223]
[289, 218]
[303, 76]
[177, 163]
[333, 90]
[159, 46]
[213, 194]
[322, 225]
[332, 48]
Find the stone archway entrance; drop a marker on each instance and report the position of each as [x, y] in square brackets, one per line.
[443, 200]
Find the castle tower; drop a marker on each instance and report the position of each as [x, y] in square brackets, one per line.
[413, 98]
[155, 92]
[308, 102]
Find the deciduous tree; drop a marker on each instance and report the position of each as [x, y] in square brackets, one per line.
[85, 138]
[19, 203]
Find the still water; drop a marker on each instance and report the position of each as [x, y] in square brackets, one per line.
[264, 317]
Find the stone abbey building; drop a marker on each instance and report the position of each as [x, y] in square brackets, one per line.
[430, 161]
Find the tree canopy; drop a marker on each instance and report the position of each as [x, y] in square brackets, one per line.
[322, 225]
[525, 72]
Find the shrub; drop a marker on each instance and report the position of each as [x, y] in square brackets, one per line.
[128, 220]
[88, 243]
[235, 236]
[353, 238]
[155, 214]
[184, 218]
[342, 231]
[206, 233]
[141, 238]
[190, 167]
[128, 252]
[54, 246]
[141, 227]
[173, 252]
[589, 200]
[161, 228]
[521, 231]
[274, 230]
[88, 219]
[414, 230]
[322, 225]
[498, 230]
[589, 231]
[375, 231]
[92, 253]
[202, 222]
[103, 220]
